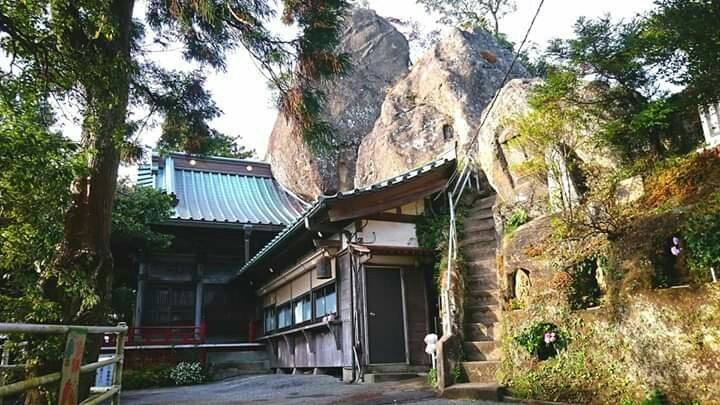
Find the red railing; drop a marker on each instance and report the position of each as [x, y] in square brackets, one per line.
[162, 335]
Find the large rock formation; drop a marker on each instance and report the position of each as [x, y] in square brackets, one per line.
[439, 102]
[501, 160]
[379, 57]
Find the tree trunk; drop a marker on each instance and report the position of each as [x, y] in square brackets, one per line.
[85, 251]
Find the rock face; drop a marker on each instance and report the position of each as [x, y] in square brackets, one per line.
[497, 157]
[379, 57]
[440, 102]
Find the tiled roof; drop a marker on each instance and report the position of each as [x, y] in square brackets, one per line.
[222, 191]
[319, 204]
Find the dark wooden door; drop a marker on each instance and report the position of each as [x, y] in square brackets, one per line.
[386, 324]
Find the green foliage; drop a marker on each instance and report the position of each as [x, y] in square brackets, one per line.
[458, 375]
[431, 378]
[432, 230]
[147, 377]
[701, 237]
[136, 210]
[584, 291]
[187, 374]
[541, 339]
[518, 217]
[678, 41]
[469, 14]
[656, 397]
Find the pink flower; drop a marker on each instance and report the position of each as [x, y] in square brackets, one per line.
[549, 337]
[675, 240]
[675, 250]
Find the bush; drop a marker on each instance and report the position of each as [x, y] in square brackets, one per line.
[702, 239]
[584, 291]
[187, 374]
[432, 378]
[541, 339]
[146, 378]
[517, 218]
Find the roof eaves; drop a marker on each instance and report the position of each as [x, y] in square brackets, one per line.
[321, 203]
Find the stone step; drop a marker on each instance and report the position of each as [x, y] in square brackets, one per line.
[478, 225]
[483, 251]
[477, 237]
[481, 391]
[483, 203]
[482, 265]
[374, 378]
[482, 350]
[394, 368]
[476, 298]
[481, 282]
[478, 217]
[485, 314]
[480, 371]
[480, 331]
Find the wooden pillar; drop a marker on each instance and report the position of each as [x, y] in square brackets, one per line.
[199, 293]
[139, 295]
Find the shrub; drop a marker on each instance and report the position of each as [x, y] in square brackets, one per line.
[656, 397]
[584, 291]
[146, 378]
[541, 339]
[702, 239]
[187, 374]
[432, 378]
[517, 218]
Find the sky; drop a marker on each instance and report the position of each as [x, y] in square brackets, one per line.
[243, 95]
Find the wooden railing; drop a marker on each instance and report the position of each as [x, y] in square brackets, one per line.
[162, 335]
[72, 362]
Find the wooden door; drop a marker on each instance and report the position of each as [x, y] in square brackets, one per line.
[386, 323]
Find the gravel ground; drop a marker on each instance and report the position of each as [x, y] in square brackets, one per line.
[292, 389]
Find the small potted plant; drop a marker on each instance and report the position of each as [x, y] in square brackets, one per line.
[542, 340]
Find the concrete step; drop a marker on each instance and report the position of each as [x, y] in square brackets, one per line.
[487, 392]
[486, 314]
[374, 378]
[476, 237]
[482, 350]
[482, 298]
[480, 331]
[480, 371]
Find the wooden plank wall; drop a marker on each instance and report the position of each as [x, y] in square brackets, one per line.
[345, 306]
[416, 304]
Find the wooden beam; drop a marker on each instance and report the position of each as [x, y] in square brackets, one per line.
[379, 201]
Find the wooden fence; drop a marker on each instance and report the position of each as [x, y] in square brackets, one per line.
[72, 366]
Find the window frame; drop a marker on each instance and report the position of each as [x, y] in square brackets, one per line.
[278, 309]
[301, 298]
[273, 318]
[319, 289]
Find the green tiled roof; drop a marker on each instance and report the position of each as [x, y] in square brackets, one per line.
[229, 195]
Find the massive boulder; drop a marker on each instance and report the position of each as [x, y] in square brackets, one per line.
[379, 57]
[502, 160]
[440, 102]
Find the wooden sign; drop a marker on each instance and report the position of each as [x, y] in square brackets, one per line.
[72, 360]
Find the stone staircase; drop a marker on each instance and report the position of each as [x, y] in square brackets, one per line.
[482, 307]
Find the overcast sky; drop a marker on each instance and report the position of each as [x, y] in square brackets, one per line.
[243, 95]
